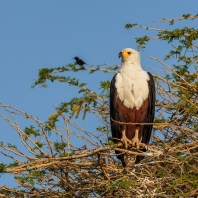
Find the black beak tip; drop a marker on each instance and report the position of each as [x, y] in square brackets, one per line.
[120, 55]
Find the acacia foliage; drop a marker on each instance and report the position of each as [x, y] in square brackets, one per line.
[49, 168]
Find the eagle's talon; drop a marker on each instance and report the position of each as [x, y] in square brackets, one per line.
[143, 145]
[136, 143]
[125, 140]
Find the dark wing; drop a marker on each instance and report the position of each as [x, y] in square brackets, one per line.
[113, 112]
[149, 116]
[150, 112]
[82, 62]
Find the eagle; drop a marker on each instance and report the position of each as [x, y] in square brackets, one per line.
[132, 100]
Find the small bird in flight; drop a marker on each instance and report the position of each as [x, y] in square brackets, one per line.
[79, 61]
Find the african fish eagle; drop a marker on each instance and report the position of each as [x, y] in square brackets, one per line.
[132, 100]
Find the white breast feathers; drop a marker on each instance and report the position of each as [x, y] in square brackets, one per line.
[132, 86]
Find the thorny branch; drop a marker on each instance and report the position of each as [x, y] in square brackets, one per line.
[82, 163]
[96, 169]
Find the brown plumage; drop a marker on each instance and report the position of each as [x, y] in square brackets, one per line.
[133, 116]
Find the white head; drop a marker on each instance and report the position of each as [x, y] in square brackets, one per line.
[130, 55]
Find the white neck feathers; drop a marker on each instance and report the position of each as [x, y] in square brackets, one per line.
[132, 60]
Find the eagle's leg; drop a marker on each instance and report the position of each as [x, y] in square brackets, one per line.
[136, 142]
[125, 140]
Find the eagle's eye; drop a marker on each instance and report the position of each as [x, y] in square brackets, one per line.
[129, 53]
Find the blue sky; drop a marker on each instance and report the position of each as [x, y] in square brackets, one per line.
[37, 34]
